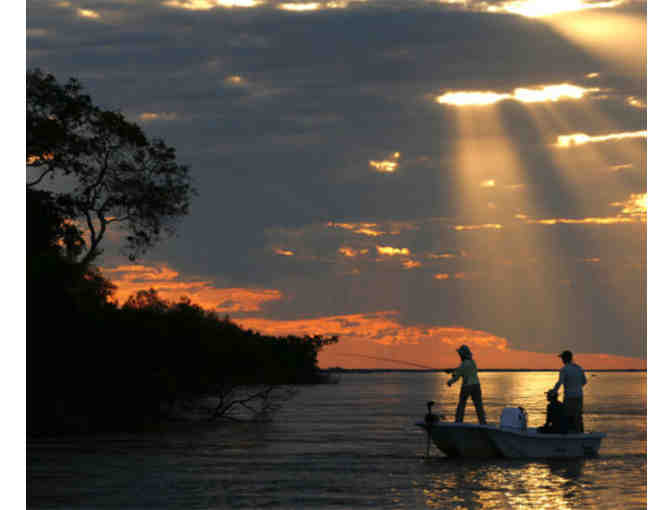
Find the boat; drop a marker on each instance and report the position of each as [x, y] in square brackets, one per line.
[509, 440]
[461, 439]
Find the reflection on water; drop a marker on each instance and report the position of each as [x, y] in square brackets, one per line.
[354, 445]
[506, 484]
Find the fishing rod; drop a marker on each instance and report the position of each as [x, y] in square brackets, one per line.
[430, 418]
[395, 361]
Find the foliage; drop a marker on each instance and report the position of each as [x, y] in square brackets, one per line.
[93, 364]
[120, 175]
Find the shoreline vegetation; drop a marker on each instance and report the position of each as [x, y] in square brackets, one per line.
[96, 365]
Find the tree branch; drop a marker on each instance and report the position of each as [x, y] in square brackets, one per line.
[31, 184]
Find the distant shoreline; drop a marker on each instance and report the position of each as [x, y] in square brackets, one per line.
[481, 370]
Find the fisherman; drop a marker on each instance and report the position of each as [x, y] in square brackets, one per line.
[573, 379]
[556, 421]
[471, 386]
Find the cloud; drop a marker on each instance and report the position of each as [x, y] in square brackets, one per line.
[539, 94]
[284, 252]
[379, 340]
[172, 286]
[633, 210]
[391, 250]
[279, 113]
[352, 252]
[206, 5]
[575, 139]
[88, 13]
[635, 205]
[386, 165]
[487, 226]
[542, 8]
[149, 116]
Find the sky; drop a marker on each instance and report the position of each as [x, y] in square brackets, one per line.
[409, 175]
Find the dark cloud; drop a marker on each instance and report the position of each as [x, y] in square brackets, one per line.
[279, 113]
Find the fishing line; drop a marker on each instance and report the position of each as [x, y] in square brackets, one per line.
[392, 360]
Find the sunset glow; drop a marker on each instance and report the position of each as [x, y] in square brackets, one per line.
[38, 160]
[172, 286]
[634, 206]
[367, 229]
[386, 165]
[574, 139]
[307, 6]
[88, 13]
[148, 116]
[407, 175]
[282, 251]
[541, 94]
[206, 5]
[541, 8]
[382, 335]
[487, 226]
[389, 250]
[351, 252]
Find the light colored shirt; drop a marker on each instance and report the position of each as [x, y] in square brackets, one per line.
[573, 379]
[467, 371]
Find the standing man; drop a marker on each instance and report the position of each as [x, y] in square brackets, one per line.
[573, 379]
[471, 386]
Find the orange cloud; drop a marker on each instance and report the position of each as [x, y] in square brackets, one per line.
[618, 168]
[540, 94]
[633, 210]
[379, 340]
[635, 205]
[636, 102]
[283, 252]
[38, 159]
[386, 165]
[543, 8]
[583, 221]
[487, 226]
[441, 256]
[369, 229]
[149, 116]
[88, 13]
[351, 252]
[206, 5]
[575, 139]
[129, 279]
[390, 250]
[410, 264]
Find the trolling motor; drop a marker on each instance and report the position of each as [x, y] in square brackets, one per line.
[430, 420]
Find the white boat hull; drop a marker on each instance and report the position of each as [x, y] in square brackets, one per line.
[483, 441]
[516, 444]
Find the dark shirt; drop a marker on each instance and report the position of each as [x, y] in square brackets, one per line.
[556, 420]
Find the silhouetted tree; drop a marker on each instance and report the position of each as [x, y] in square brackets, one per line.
[95, 365]
[120, 175]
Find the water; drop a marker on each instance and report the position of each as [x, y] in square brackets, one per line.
[354, 445]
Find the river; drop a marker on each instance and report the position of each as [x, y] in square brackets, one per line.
[354, 445]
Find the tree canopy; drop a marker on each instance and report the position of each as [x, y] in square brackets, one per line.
[120, 175]
[92, 364]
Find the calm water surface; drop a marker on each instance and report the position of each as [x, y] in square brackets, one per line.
[354, 445]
